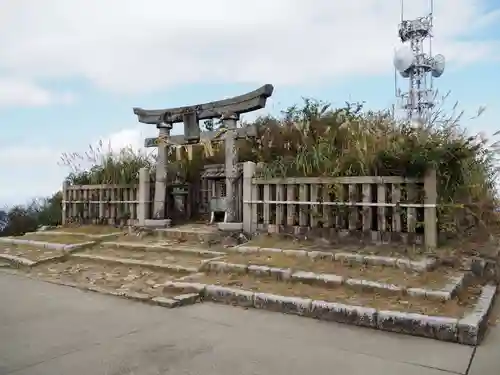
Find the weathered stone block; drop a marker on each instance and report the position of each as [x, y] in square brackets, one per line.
[166, 302]
[373, 285]
[404, 263]
[349, 258]
[280, 273]
[426, 264]
[17, 260]
[441, 328]
[187, 287]
[338, 312]
[472, 327]
[287, 305]
[330, 279]
[477, 266]
[137, 296]
[259, 270]
[441, 295]
[455, 284]
[187, 299]
[304, 277]
[296, 253]
[246, 249]
[377, 260]
[321, 255]
[218, 266]
[229, 296]
[270, 250]
[416, 292]
[469, 328]
[78, 246]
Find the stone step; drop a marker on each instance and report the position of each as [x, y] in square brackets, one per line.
[203, 235]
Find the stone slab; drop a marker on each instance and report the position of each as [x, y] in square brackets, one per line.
[17, 260]
[229, 296]
[287, 305]
[185, 286]
[373, 286]
[341, 313]
[441, 328]
[166, 302]
[187, 298]
[220, 266]
[134, 262]
[422, 265]
[230, 227]
[472, 327]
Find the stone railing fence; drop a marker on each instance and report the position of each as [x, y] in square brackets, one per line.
[113, 204]
[375, 207]
[379, 208]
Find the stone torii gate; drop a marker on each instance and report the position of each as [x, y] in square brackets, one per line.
[229, 111]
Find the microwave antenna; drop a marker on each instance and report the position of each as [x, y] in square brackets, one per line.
[417, 66]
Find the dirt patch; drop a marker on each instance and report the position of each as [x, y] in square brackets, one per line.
[61, 239]
[106, 276]
[453, 308]
[149, 255]
[390, 275]
[88, 229]
[29, 252]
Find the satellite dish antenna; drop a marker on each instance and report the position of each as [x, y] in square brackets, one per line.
[403, 59]
[438, 65]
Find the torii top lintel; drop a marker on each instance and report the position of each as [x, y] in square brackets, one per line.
[248, 102]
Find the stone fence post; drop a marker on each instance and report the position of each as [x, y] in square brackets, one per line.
[231, 163]
[143, 196]
[248, 208]
[430, 210]
[64, 203]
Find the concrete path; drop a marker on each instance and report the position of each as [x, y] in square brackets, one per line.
[56, 330]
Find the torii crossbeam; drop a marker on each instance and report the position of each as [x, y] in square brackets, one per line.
[228, 110]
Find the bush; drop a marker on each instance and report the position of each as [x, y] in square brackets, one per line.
[100, 166]
[27, 218]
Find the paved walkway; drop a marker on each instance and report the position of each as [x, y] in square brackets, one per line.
[51, 329]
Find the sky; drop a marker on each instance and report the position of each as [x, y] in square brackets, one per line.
[71, 71]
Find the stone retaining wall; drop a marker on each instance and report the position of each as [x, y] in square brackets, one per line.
[426, 264]
[468, 330]
[447, 293]
[47, 245]
[134, 262]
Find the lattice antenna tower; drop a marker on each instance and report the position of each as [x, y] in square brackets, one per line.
[417, 66]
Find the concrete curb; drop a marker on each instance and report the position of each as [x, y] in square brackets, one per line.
[133, 262]
[93, 236]
[466, 331]
[426, 264]
[176, 301]
[170, 249]
[447, 293]
[18, 261]
[46, 245]
[21, 261]
[473, 326]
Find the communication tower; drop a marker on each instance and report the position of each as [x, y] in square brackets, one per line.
[417, 66]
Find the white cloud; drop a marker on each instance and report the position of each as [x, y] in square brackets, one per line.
[20, 93]
[28, 170]
[132, 46]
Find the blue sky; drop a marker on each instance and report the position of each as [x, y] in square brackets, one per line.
[71, 71]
